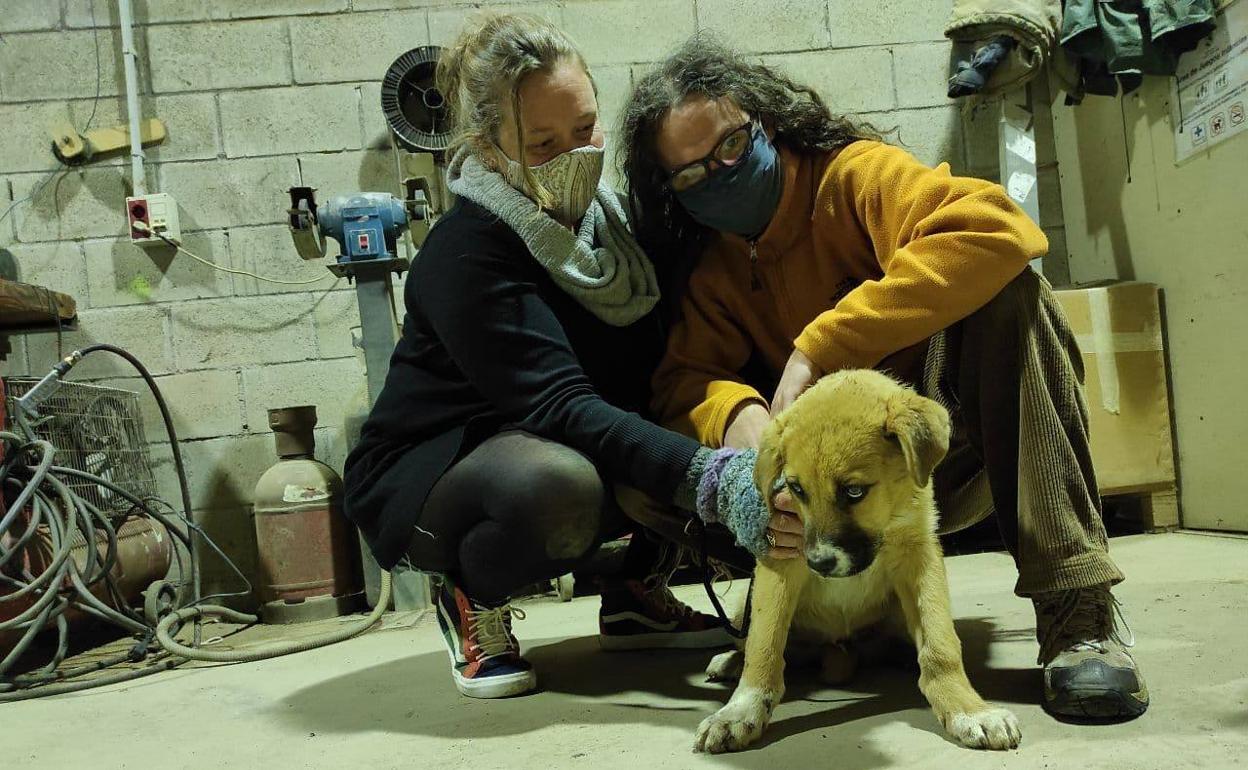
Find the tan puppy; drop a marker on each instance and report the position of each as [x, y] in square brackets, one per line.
[857, 452]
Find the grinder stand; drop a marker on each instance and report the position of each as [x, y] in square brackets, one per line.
[367, 227]
[374, 293]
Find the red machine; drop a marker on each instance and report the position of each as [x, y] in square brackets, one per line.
[144, 555]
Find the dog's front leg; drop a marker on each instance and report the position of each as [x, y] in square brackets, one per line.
[777, 586]
[924, 593]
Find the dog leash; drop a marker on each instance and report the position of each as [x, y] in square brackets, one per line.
[733, 631]
[736, 633]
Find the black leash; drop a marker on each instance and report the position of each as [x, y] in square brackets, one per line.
[736, 633]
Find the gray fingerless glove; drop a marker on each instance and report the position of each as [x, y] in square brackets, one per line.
[719, 486]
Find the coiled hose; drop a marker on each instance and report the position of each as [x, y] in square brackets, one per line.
[54, 506]
[41, 490]
[166, 628]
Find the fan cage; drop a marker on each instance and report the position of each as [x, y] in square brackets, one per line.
[95, 429]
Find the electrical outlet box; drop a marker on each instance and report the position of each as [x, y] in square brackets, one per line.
[152, 214]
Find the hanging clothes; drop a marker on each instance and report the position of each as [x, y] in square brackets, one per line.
[999, 45]
[1121, 41]
[1092, 46]
[971, 76]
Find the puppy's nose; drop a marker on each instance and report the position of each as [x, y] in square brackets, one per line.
[828, 566]
[828, 560]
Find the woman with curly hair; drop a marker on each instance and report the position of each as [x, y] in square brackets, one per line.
[803, 244]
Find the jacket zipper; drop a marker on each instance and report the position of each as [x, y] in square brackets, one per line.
[756, 283]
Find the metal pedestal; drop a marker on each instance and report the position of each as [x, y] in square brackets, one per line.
[375, 296]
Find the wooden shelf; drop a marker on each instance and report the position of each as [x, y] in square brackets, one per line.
[26, 308]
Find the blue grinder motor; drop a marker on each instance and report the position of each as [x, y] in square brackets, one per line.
[366, 225]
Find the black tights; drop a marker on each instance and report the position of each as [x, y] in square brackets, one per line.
[517, 510]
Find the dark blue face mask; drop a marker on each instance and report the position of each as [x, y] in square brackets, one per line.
[741, 198]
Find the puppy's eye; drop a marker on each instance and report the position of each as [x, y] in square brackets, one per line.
[796, 488]
[852, 494]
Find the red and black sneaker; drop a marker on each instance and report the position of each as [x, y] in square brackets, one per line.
[485, 656]
[644, 615]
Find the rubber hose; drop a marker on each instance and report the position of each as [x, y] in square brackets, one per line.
[62, 546]
[166, 640]
[45, 463]
[62, 645]
[28, 638]
[60, 541]
[86, 597]
[63, 688]
[32, 528]
[40, 679]
[175, 450]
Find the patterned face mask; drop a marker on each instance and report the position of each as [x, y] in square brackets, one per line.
[572, 178]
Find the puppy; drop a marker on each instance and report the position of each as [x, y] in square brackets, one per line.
[856, 453]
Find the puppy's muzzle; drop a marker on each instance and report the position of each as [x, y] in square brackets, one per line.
[829, 560]
[845, 555]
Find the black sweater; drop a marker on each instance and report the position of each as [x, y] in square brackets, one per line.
[490, 342]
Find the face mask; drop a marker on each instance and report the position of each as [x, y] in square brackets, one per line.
[571, 178]
[739, 199]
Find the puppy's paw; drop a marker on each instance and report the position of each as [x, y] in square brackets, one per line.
[726, 666]
[737, 724]
[988, 729]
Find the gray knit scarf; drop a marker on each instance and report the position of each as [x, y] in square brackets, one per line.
[615, 280]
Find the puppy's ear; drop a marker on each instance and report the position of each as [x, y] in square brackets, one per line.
[921, 427]
[770, 460]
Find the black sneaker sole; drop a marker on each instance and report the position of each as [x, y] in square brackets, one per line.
[709, 639]
[1095, 706]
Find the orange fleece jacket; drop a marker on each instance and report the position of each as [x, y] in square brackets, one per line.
[869, 252]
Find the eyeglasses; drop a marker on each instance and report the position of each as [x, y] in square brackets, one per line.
[732, 149]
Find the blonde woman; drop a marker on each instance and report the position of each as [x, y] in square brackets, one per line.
[512, 404]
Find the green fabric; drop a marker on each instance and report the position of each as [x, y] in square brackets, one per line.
[1137, 37]
[686, 496]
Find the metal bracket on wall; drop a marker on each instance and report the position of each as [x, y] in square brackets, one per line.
[1016, 142]
[1027, 161]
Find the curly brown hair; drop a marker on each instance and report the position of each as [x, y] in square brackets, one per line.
[705, 66]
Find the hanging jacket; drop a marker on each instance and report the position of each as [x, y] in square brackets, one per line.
[1123, 40]
[976, 26]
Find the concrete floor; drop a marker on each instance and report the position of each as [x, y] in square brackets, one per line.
[386, 701]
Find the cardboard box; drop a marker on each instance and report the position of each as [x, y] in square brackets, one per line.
[1118, 326]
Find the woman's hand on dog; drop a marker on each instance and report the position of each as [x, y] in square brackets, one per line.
[745, 428]
[785, 528]
[799, 374]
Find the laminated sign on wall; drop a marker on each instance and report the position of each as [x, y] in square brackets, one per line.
[1212, 86]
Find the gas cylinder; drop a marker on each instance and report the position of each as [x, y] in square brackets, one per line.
[309, 565]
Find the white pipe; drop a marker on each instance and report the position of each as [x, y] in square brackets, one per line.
[128, 53]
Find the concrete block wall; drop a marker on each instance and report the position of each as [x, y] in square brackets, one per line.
[257, 96]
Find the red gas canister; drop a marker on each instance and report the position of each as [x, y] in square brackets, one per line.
[308, 555]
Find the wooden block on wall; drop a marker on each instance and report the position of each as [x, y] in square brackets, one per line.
[1159, 511]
